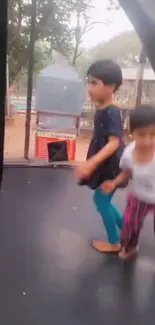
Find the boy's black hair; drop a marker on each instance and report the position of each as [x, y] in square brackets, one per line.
[141, 117]
[107, 71]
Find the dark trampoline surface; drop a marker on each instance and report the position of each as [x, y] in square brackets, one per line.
[49, 274]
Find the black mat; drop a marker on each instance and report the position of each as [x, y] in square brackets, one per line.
[49, 274]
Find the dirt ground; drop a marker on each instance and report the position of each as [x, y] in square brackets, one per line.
[14, 139]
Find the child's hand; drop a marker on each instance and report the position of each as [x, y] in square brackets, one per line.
[108, 187]
[84, 170]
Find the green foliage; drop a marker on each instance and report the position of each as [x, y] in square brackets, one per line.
[82, 19]
[52, 26]
[124, 49]
[42, 56]
[113, 5]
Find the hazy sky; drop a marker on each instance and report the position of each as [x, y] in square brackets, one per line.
[119, 23]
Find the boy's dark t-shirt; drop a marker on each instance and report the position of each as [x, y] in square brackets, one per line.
[107, 122]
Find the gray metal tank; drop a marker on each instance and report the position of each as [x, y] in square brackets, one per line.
[60, 90]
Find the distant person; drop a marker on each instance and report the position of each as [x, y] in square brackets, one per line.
[105, 150]
[138, 166]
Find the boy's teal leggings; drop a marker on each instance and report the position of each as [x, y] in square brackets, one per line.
[111, 217]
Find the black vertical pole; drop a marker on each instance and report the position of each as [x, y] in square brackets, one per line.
[3, 54]
[30, 80]
[141, 67]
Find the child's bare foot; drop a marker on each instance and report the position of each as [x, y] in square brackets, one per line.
[124, 255]
[105, 247]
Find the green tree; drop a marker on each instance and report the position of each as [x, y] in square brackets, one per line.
[42, 56]
[113, 5]
[82, 25]
[123, 48]
[51, 25]
[54, 24]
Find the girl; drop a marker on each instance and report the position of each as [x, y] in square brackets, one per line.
[106, 147]
[138, 166]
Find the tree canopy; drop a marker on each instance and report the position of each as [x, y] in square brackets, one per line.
[123, 48]
[60, 26]
[51, 25]
[60, 23]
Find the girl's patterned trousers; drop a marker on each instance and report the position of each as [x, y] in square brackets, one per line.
[134, 217]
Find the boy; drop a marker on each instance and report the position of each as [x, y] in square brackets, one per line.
[138, 166]
[106, 147]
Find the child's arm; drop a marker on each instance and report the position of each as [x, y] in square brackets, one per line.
[124, 176]
[111, 130]
[87, 168]
[110, 186]
[106, 152]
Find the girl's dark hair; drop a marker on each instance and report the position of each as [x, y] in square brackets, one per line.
[107, 71]
[142, 116]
